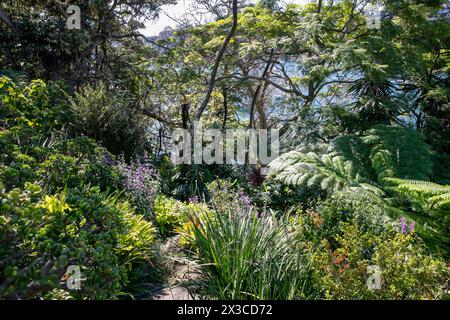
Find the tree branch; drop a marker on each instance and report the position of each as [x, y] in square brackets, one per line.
[219, 56]
[5, 19]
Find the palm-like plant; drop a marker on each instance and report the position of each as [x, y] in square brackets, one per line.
[354, 162]
[330, 172]
[374, 100]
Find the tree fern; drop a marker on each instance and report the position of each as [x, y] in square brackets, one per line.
[365, 168]
[352, 148]
[431, 206]
[361, 165]
[380, 153]
[329, 172]
[436, 195]
[397, 152]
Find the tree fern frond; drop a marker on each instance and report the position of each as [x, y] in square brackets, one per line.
[441, 201]
[436, 195]
[330, 172]
[366, 194]
[398, 152]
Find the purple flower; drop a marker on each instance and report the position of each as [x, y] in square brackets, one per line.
[140, 180]
[412, 226]
[403, 224]
[108, 160]
[193, 199]
[244, 201]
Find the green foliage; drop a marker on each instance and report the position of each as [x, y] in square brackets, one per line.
[41, 237]
[169, 214]
[40, 45]
[37, 106]
[364, 162]
[61, 170]
[246, 257]
[364, 168]
[110, 118]
[429, 203]
[328, 172]
[167, 172]
[369, 110]
[44, 232]
[341, 208]
[16, 174]
[191, 181]
[35, 148]
[360, 166]
[436, 196]
[407, 271]
[398, 152]
[194, 216]
[226, 196]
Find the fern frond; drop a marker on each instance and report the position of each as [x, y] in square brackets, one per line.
[398, 152]
[441, 201]
[329, 172]
[436, 195]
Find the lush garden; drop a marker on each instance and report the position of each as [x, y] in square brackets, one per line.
[67, 201]
[357, 206]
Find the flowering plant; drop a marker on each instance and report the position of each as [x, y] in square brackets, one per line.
[141, 182]
[405, 229]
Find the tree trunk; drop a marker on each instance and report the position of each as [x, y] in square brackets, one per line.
[218, 59]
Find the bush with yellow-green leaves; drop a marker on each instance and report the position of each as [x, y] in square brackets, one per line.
[195, 215]
[173, 216]
[360, 265]
[169, 214]
[41, 236]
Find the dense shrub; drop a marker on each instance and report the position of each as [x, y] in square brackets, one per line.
[194, 215]
[22, 140]
[38, 106]
[110, 117]
[341, 208]
[42, 230]
[41, 236]
[34, 146]
[16, 174]
[30, 116]
[167, 172]
[76, 162]
[405, 269]
[173, 216]
[226, 196]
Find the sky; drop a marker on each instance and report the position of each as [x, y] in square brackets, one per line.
[177, 11]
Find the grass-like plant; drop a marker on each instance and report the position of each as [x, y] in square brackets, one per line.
[249, 257]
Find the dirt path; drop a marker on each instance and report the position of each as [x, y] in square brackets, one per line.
[182, 283]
